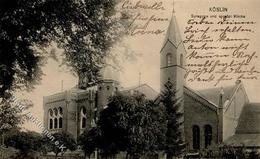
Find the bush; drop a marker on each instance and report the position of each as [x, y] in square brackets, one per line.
[229, 152]
[8, 153]
[253, 155]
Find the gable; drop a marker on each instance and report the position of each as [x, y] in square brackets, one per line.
[212, 94]
[196, 96]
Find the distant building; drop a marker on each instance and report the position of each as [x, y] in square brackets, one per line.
[77, 109]
[211, 116]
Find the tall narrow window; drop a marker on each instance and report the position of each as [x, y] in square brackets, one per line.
[196, 137]
[50, 116]
[181, 60]
[60, 117]
[169, 59]
[55, 123]
[60, 122]
[83, 117]
[51, 124]
[208, 135]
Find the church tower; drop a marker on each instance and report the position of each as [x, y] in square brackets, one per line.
[172, 56]
[107, 86]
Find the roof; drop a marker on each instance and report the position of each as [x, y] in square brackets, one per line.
[196, 95]
[212, 94]
[248, 129]
[247, 140]
[109, 72]
[249, 121]
[145, 89]
[173, 33]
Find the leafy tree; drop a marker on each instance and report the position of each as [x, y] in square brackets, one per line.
[62, 141]
[26, 142]
[132, 124]
[11, 115]
[174, 142]
[114, 123]
[85, 29]
[89, 141]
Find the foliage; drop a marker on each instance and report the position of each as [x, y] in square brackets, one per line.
[85, 29]
[254, 155]
[26, 142]
[8, 152]
[114, 123]
[174, 143]
[11, 115]
[229, 152]
[132, 124]
[89, 141]
[63, 141]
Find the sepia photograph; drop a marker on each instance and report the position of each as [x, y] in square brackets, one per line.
[129, 79]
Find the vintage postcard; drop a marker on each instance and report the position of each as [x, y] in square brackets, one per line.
[129, 79]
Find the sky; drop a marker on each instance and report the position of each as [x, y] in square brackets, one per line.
[147, 47]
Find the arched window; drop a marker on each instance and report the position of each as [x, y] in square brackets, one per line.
[55, 111]
[50, 113]
[83, 117]
[55, 123]
[60, 111]
[196, 137]
[181, 60]
[51, 124]
[208, 135]
[169, 59]
[59, 117]
[50, 118]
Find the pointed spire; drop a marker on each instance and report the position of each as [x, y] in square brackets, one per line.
[173, 11]
[173, 33]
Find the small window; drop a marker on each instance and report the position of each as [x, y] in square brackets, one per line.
[51, 124]
[55, 111]
[55, 123]
[60, 122]
[50, 113]
[169, 59]
[208, 135]
[196, 137]
[84, 122]
[108, 87]
[83, 117]
[83, 111]
[60, 111]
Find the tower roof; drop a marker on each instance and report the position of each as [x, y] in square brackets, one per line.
[173, 33]
[109, 72]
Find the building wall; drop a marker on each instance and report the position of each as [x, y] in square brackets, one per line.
[232, 112]
[50, 103]
[71, 104]
[197, 114]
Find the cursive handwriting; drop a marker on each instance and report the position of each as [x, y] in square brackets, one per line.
[219, 49]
